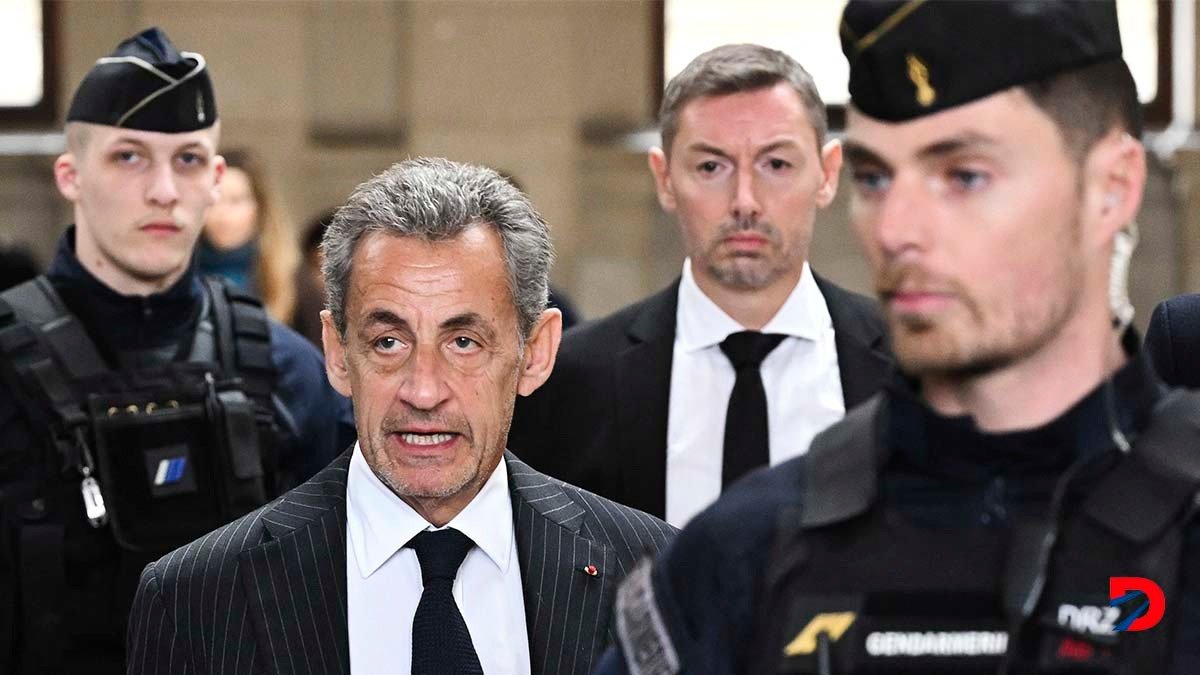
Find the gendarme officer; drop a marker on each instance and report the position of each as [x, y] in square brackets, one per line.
[1020, 498]
[140, 404]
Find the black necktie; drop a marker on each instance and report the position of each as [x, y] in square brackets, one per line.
[441, 643]
[746, 435]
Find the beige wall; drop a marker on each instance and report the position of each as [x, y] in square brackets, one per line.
[331, 92]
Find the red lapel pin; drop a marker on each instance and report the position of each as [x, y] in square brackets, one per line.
[591, 571]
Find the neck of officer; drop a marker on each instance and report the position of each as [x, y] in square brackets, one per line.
[750, 307]
[105, 268]
[1033, 390]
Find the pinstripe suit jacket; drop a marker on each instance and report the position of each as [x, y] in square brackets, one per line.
[267, 593]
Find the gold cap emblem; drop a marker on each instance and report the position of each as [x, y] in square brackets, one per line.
[918, 72]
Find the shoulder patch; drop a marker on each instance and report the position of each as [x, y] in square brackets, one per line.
[640, 627]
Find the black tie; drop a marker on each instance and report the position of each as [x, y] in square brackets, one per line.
[441, 642]
[746, 435]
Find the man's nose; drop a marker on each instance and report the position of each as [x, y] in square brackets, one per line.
[163, 190]
[745, 205]
[903, 217]
[424, 387]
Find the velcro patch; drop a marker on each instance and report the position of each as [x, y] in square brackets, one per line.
[640, 626]
[169, 471]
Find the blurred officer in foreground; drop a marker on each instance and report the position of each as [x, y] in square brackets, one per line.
[140, 405]
[986, 512]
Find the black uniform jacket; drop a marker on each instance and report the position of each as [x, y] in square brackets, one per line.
[100, 579]
[267, 593]
[600, 421]
[1173, 340]
[940, 472]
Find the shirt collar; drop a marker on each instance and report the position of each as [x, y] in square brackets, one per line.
[700, 323]
[380, 523]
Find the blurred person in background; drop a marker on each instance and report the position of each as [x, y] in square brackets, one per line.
[141, 405]
[558, 299]
[310, 284]
[248, 237]
[749, 353]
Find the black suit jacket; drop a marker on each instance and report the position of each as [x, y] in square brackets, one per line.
[267, 593]
[1173, 340]
[607, 400]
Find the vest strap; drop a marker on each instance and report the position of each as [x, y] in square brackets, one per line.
[1160, 478]
[43, 580]
[841, 467]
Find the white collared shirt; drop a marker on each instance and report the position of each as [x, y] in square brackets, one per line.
[800, 376]
[383, 579]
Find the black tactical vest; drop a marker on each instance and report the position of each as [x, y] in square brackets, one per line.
[151, 454]
[855, 586]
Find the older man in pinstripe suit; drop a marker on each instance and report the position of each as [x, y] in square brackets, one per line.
[427, 548]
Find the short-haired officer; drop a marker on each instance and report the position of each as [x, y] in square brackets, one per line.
[1020, 498]
[140, 404]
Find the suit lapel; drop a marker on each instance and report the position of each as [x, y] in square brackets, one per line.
[863, 359]
[295, 581]
[566, 607]
[644, 391]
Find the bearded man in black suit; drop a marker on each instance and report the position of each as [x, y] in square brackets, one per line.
[749, 354]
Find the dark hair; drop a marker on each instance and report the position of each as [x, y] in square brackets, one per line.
[731, 69]
[1086, 103]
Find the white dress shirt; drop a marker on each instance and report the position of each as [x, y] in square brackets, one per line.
[384, 578]
[800, 376]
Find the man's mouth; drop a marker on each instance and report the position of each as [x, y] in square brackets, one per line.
[746, 241]
[161, 227]
[916, 301]
[426, 439]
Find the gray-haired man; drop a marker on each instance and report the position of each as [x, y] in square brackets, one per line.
[436, 320]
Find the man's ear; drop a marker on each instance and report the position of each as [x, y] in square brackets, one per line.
[335, 355]
[219, 167]
[541, 350]
[66, 176]
[1115, 172]
[660, 168]
[831, 168]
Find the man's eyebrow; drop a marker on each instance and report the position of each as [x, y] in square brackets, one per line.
[377, 316]
[782, 144]
[467, 320]
[700, 146]
[194, 145]
[966, 141]
[129, 140]
[857, 153]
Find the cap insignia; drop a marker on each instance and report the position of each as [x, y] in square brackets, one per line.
[918, 72]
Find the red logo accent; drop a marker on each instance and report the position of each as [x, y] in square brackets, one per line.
[1071, 649]
[1120, 588]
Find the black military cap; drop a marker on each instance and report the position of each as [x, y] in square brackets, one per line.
[914, 58]
[147, 84]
